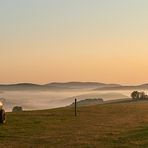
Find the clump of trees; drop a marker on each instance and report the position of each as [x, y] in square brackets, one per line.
[136, 95]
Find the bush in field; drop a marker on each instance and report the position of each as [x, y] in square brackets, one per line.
[17, 109]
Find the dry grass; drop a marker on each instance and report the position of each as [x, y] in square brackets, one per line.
[101, 126]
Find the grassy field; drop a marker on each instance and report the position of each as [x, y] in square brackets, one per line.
[102, 126]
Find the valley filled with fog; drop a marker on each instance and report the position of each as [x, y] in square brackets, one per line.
[35, 100]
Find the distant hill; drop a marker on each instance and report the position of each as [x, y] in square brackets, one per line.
[88, 102]
[56, 86]
[121, 87]
[75, 85]
[104, 96]
[69, 86]
[20, 86]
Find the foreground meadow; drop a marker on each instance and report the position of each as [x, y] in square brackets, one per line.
[101, 126]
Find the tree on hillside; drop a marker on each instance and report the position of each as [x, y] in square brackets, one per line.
[135, 95]
[138, 95]
[142, 95]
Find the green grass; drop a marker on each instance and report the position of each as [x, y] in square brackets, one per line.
[102, 126]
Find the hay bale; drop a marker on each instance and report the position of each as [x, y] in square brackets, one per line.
[17, 109]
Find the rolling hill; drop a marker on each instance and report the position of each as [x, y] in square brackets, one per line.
[104, 126]
[121, 87]
[56, 86]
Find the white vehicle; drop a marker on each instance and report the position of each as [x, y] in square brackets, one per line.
[2, 114]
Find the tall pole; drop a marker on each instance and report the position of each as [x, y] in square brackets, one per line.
[75, 107]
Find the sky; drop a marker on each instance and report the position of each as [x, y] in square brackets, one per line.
[44, 41]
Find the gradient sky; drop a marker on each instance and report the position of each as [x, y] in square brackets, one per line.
[43, 41]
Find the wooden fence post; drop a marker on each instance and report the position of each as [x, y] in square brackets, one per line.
[75, 107]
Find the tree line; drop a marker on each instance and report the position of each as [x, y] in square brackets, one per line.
[136, 95]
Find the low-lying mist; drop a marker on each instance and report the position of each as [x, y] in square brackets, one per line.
[36, 100]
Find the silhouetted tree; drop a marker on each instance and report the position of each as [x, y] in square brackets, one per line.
[135, 95]
[138, 95]
[142, 95]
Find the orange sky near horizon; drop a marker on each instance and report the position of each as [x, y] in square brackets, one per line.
[90, 41]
